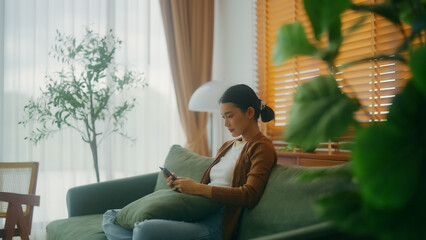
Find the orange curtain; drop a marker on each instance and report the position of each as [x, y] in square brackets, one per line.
[188, 26]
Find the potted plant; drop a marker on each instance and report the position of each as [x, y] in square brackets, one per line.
[80, 95]
[388, 158]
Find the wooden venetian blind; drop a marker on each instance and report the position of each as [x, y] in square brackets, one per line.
[374, 83]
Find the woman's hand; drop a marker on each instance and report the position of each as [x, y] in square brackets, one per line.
[170, 179]
[183, 184]
[186, 185]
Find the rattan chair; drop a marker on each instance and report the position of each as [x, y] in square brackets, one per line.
[17, 199]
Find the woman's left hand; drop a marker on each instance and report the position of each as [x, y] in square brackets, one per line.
[186, 185]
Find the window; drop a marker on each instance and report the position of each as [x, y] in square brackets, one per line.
[374, 83]
[28, 29]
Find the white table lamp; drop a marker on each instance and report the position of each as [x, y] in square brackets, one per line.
[206, 97]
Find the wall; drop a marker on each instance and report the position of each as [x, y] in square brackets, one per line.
[233, 53]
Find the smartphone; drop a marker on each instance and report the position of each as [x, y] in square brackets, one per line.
[167, 173]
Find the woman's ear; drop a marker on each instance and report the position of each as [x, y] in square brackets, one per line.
[250, 112]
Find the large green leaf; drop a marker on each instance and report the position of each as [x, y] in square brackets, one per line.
[320, 112]
[324, 14]
[408, 112]
[419, 22]
[405, 12]
[334, 41]
[417, 64]
[292, 41]
[384, 166]
[413, 13]
[388, 157]
[386, 10]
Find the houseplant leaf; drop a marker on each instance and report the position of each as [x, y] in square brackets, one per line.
[388, 157]
[386, 10]
[418, 59]
[323, 14]
[334, 41]
[292, 41]
[405, 13]
[408, 113]
[320, 112]
[385, 169]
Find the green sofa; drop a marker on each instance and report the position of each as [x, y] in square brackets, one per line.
[285, 210]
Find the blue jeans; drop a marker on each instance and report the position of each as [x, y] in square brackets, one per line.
[208, 228]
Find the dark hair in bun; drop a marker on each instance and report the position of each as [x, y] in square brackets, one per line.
[244, 97]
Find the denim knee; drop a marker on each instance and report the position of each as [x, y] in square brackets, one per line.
[165, 229]
[146, 230]
[113, 231]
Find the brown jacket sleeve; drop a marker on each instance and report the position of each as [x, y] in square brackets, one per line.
[250, 176]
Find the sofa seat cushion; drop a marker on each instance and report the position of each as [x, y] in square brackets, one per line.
[287, 202]
[183, 163]
[87, 227]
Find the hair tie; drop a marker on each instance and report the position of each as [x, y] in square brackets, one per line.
[262, 104]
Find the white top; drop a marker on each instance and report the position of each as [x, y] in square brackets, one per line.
[221, 173]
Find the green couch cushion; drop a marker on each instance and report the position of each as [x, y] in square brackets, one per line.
[166, 204]
[287, 203]
[87, 227]
[183, 163]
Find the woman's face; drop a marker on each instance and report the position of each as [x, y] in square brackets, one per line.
[236, 120]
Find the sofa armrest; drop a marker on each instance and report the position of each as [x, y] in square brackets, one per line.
[99, 197]
[320, 231]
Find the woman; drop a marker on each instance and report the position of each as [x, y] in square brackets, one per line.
[236, 178]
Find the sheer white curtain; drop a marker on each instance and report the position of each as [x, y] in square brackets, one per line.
[28, 28]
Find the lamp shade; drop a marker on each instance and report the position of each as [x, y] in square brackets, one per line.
[206, 97]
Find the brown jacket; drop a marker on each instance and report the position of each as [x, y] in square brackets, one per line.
[251, 173]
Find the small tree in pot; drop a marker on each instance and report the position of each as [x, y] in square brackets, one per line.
[80, 95]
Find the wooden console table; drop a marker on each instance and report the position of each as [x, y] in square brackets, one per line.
[311, 159]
